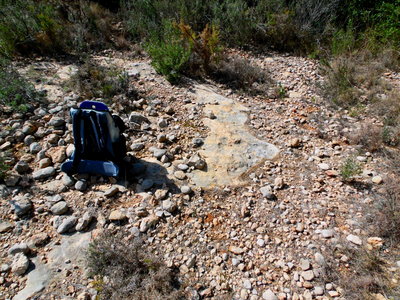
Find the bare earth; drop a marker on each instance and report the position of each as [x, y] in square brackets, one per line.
[263, 218]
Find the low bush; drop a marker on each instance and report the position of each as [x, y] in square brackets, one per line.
[238, 73]
[349, 169]
[236, 20]
[169, 52]
[205, 46]
[57, 27]
[16, 92]
[89, 26]
[365, 275]
[27, 26]
[96, 81]
[128, 271]
[354, 79]
[387, 212]
[368, 136]
[340, 82]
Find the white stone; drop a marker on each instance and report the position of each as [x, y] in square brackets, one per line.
[354, 239]
[324, 166]
[20, 264]
[269, 295]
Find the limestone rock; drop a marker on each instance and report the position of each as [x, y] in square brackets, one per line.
[67, 224]
[148, 222]
[137, 146]
[59, 208]
[84, 222]
[158, 153]
[56, 122]
[160, 194]
[43, 173]
[138, 118]
[197, 162]
[112, 191]
[117, 215]
[20, 264]
[236, 250]
[308, 275]
[294, 143]
[169, 205]
[180, 175]
[267, 192]
[269, 295]
[186, 189]
[377, 179]
[5, 226]
[81, 185]
[21, 167]
[305, 264]
[57, 154]
[354, 239]
[22, 206]
[39, 239]
[19, 248]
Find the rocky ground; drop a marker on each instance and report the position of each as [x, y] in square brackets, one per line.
[241, 193]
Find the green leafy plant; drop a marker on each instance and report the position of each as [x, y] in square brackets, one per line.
[340, 86]
[169, 53]
[281, 91]
[15, 91]
[205, 45]
[27, 25]
[349, 169]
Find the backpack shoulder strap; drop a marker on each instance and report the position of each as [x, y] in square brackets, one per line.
[76, 125]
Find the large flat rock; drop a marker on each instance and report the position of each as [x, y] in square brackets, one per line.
[230, 149]
[71, 248]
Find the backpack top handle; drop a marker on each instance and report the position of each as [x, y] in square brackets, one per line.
[99, 106]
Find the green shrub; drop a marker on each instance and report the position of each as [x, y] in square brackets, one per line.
[15, 91]
[144, 17]
[343, 41]
[205, 47]
[280, 91]
[129, 271]
[96, 81]
[27, 26]
[56, 27]
[387, 19]
[88, 27]
[340, 83]
[169, 53]
[349, 169]
[236, 20]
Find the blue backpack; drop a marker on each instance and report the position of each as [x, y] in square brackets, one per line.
[100, 146]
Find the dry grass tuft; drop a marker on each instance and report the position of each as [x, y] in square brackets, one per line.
[126, 270]
[387, 214]
[238, 73]
[358, 272]
[96, 81]
[356, 78]
[369, 137]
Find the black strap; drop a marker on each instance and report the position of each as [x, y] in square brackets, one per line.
[76, 123]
